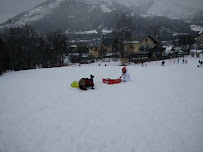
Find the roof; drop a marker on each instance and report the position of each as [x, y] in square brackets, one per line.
[73, 46]
[95, 43]
[131, 42]
[155, 39]
[109, 41]
[139, 39]
[201, 32]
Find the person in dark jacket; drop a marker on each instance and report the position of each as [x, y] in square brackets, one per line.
[163, 62]
[85, 83]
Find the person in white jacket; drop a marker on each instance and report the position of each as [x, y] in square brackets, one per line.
[125, 75]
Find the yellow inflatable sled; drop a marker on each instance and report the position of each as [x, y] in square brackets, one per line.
[75, 84]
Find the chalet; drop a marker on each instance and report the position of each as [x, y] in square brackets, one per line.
[200, 38]
[98, 48]
[142, 47]
[101, 47]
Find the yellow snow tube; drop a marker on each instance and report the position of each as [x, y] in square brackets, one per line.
[75, 84]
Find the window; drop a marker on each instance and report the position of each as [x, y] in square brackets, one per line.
[146, 40]
[142, 48]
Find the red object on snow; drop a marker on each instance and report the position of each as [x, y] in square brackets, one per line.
[112, 81]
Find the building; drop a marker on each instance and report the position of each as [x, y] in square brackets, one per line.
[142, 47]
[200, 38]
[98, 48]
[102, 47]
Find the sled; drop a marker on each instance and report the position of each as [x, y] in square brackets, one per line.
[112, 81]
[75, 84]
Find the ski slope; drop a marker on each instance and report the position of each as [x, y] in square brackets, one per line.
[161, 110]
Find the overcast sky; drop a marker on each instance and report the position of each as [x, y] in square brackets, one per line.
[10, 8]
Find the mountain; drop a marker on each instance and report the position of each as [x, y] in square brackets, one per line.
[72, 15]
[81, 16]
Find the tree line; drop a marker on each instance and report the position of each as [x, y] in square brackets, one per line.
[21, 49]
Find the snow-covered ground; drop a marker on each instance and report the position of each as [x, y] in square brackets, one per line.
[161, 110]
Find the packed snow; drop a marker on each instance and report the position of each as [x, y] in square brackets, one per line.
[160, 110]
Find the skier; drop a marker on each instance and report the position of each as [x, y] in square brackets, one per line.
[85, 83]
[163, 62]
[125, 76]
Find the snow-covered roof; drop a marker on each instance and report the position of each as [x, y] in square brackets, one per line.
[201, 32]
[73, 46]
[131, 42]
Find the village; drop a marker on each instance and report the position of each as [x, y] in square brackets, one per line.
[137, 49]
[57, 49]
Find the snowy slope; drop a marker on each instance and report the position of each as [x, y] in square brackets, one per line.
[159, 111]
